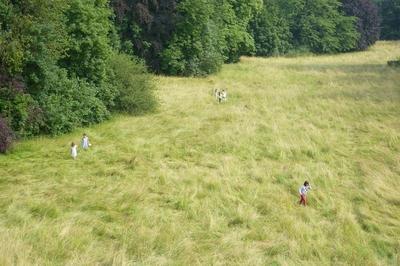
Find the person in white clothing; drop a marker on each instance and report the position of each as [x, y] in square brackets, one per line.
[74, 150]
[85, 142]
[224, 95]
[303, 193]
[219, 96]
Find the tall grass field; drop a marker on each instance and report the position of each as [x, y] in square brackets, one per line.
[202, 183]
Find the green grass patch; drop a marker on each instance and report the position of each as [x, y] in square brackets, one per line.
[205, 183]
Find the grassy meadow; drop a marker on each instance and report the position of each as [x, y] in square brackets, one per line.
[202, 183]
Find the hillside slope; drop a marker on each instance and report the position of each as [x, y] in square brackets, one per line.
[203, 183]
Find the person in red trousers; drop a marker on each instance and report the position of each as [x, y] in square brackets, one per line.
[303, 193]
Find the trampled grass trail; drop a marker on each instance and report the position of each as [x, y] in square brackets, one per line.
[202, 183]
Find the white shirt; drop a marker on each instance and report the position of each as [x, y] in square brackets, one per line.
[85, 142]
[304, 189]
[74, 151]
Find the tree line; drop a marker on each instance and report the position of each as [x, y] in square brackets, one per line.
[66, 64]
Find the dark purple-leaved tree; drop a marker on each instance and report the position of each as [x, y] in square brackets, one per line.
[368, 21]
[6, 136]
[390, 13]
[146, 26]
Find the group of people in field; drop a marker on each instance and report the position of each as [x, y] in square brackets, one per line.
[221, 95]
[85, 144]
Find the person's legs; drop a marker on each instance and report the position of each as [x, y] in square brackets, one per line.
[303, 200]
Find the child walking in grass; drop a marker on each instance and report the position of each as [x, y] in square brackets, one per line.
[303, 193]
[85, 142]
[216, 94]
[224, 95]
[74, 150]
[219, 96]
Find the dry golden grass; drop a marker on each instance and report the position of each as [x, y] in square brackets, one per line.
[202, 183]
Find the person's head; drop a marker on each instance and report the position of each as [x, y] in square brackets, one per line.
[72, 144]
[306, 183]
[84, 134]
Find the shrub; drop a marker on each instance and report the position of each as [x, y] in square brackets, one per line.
[22, 112]
[69, 103]
[6, 136]
[134, 85]
[106, 92]
[19, 108]
[394, 63]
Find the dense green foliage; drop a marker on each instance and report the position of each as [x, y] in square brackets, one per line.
[134, 85]
[69, 102]
[55, 71]
[194, 47]
[390, 14]
[317, 26]
[146, 27]
[188, 37]
[271, 30]
[21, 111]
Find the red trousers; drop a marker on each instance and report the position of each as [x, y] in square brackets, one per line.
[303, 200]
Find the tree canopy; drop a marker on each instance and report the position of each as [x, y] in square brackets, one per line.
[367, 21]
[390, 14]
[318, 26]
